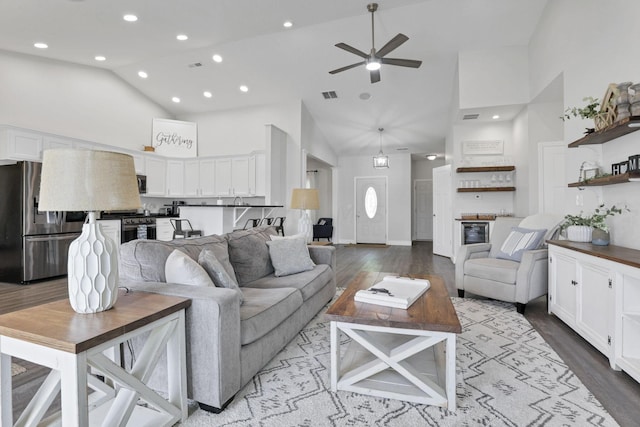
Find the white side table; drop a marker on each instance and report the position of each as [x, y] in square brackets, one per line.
[75, 345]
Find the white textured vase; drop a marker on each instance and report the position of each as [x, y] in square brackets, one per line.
[579, 233]
[305, 227]
[92, 271]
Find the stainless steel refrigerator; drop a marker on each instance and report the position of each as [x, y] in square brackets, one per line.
[33, 244]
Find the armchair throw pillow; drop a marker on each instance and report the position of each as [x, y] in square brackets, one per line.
[518, 241]
[181, 268]
[289, 256]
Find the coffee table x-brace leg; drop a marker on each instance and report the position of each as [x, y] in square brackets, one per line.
[392, 347]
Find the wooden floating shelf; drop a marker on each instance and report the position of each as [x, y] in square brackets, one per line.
[613, 131]
[487, 169]
[485, 189]
[605, 180]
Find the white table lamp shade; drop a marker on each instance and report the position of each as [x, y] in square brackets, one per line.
[87, 180]
[305, 198]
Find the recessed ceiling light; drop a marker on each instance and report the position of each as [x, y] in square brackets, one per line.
[40, 45]
[130, 18]
[431, 156]
[207, 94]
[495, 117]
[244, 88]
[287, 24]
[100, 58]
[182, 37]
[217, 58]
[142, 74]
[175, 99]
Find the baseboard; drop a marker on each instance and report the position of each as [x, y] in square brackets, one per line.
[399, 242]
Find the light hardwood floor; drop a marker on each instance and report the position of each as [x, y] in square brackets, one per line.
[618, 392]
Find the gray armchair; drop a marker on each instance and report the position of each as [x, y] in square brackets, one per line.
[478, 271]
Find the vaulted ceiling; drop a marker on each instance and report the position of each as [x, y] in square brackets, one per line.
[279, 64]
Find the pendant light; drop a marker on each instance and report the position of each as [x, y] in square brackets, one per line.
[380, 161]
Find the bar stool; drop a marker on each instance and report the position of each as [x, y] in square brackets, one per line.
[278, 223]
[251, 222]
[183, 233]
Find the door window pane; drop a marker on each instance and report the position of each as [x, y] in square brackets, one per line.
[370, 202]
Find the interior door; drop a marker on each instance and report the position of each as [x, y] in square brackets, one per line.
[442, 211]
[423, 209]
[371, 210]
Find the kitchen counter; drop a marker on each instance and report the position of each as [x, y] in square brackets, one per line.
[226, 219]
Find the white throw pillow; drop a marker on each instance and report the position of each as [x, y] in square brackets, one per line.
[290, 256]
[518, 241]
[180, 268]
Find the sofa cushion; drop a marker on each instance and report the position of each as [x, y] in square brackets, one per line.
[264, 309]
[249, 254]
[180, 268]
[308, 282]
[289, 256]
[501, 270]
[216, 272]
[144, 260]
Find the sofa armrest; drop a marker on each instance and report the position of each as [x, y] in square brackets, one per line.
[532, 278]
[465, 252]
[323, 255]
[212, 335]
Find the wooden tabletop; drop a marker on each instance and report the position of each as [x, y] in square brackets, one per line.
[613, 253]
[433, 311]
[56, 325]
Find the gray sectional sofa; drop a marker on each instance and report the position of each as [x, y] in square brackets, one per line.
[228, 342]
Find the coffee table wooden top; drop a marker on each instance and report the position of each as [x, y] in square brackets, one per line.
[433, 311]
[57, 326]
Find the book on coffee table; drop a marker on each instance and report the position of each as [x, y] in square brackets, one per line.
[394, 291]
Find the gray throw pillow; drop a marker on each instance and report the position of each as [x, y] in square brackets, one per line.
[180, 268]
[518, 241]
[217, 272]
[289, 256]
[249, 254]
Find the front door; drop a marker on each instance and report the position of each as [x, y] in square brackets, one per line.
[423, 209]
[371, 210]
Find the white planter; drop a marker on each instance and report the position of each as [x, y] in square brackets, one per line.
[579, 233]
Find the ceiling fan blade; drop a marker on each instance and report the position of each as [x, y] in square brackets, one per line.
[402, 62]
[391, 45]
[352, 50]
[375, 76]
[348, 67]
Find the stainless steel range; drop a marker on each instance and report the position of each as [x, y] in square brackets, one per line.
[33, 244]
[138, 227]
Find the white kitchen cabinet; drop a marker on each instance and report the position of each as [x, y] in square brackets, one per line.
[20, 145]
[111, 228]
[240, 176]
[52, 143]
[596, 291]
[156, 171]
[207, 177]
[164, 229]
[175, 178]
[192, 178]
[257, 174]
[223, 183]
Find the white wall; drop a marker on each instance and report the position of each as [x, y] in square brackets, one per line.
[399, 202]
[74, 101]
[493, 77]
[313, 141]
[573, 39]
[241, 131]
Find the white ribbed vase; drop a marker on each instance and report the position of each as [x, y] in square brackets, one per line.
[93, 271]
[579, 233]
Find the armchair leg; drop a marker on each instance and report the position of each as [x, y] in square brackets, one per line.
[520, 307]
[461, 293]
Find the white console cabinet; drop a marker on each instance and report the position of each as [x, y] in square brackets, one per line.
[164, 229]
[596, 291]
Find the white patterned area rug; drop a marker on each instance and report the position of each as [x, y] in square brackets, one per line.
[506, 376]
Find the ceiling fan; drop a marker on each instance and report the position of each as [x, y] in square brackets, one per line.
[375, 59]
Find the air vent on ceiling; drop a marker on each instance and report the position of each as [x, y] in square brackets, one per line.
[330, 95]
[195, 65]
[402, 148]
[470, 116]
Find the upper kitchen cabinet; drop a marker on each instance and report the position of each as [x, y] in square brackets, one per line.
[223, 184]
[207, 177]
[156, 170]
[257, 174]
[240, 175]
[175, 178]
[20, 145]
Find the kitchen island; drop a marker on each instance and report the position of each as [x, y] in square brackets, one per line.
[220, 219]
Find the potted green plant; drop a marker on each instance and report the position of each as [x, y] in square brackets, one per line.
[592, 228]
[589, 111]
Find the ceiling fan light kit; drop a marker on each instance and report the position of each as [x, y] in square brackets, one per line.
[373, 61]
